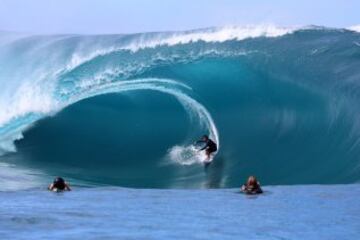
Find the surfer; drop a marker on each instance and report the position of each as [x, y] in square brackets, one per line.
[210, 146]
[252, 186]
[59, 184]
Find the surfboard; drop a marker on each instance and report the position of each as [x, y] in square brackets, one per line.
[56, 190]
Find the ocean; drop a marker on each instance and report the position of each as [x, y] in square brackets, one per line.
[117, 116]
[282, 212]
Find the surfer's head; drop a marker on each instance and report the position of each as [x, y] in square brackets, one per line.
[252, 181]
[59, 180]
[59, 183]
[205, 137]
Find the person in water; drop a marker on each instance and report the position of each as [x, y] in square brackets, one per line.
[252, 186]
[59, 184]
[210, 146]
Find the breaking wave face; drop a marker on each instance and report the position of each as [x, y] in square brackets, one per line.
[126, 109]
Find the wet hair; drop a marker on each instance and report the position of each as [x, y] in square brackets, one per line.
[59, 183]
[205, 136]
[252, 181]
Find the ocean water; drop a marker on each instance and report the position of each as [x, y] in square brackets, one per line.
[124, 110]
[117, 116]
[282, 212]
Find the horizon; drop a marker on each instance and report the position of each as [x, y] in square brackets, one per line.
[126, 17]
[355, 28]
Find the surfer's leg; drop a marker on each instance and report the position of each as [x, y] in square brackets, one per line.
[208, 152]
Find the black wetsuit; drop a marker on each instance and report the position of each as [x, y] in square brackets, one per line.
[210, 146]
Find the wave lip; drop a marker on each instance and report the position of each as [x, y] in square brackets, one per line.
[355, 28]
[136, 42]
[218, 34]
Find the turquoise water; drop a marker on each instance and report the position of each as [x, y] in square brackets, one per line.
[117, 116]
[283, 212]
[125, 109]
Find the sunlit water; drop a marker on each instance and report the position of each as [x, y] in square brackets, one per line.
[284, 212]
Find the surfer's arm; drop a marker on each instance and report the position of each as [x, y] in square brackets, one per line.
[201, 141]
[51, 186]
[203, 148]
[67, 187]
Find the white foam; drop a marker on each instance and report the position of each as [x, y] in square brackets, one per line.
[28, 98]
[188, 155]
[355, 28]
[184, 155]
[152, 40]
[221, 34]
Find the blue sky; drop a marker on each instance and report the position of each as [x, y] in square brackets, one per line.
[128, 16]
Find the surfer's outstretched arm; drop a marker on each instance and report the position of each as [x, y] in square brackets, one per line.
[67, 187]
[201, 141]
[203, 148]
[51, 187]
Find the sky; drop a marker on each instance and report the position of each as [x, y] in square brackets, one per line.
[130, 16]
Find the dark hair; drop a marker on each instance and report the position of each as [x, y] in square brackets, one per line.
[252, 181]
[205, 136]
[59, 183]
[59, 180]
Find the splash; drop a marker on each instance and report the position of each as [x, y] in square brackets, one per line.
[355, 28]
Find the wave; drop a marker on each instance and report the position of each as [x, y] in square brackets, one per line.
[283, 100]
[195, 109]
[355, 28]
[85, 49]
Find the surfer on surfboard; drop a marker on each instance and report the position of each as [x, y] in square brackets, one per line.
[210, 146]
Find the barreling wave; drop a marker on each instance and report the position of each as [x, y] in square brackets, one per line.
[283, 99]
[197, 112]
[195, 109]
